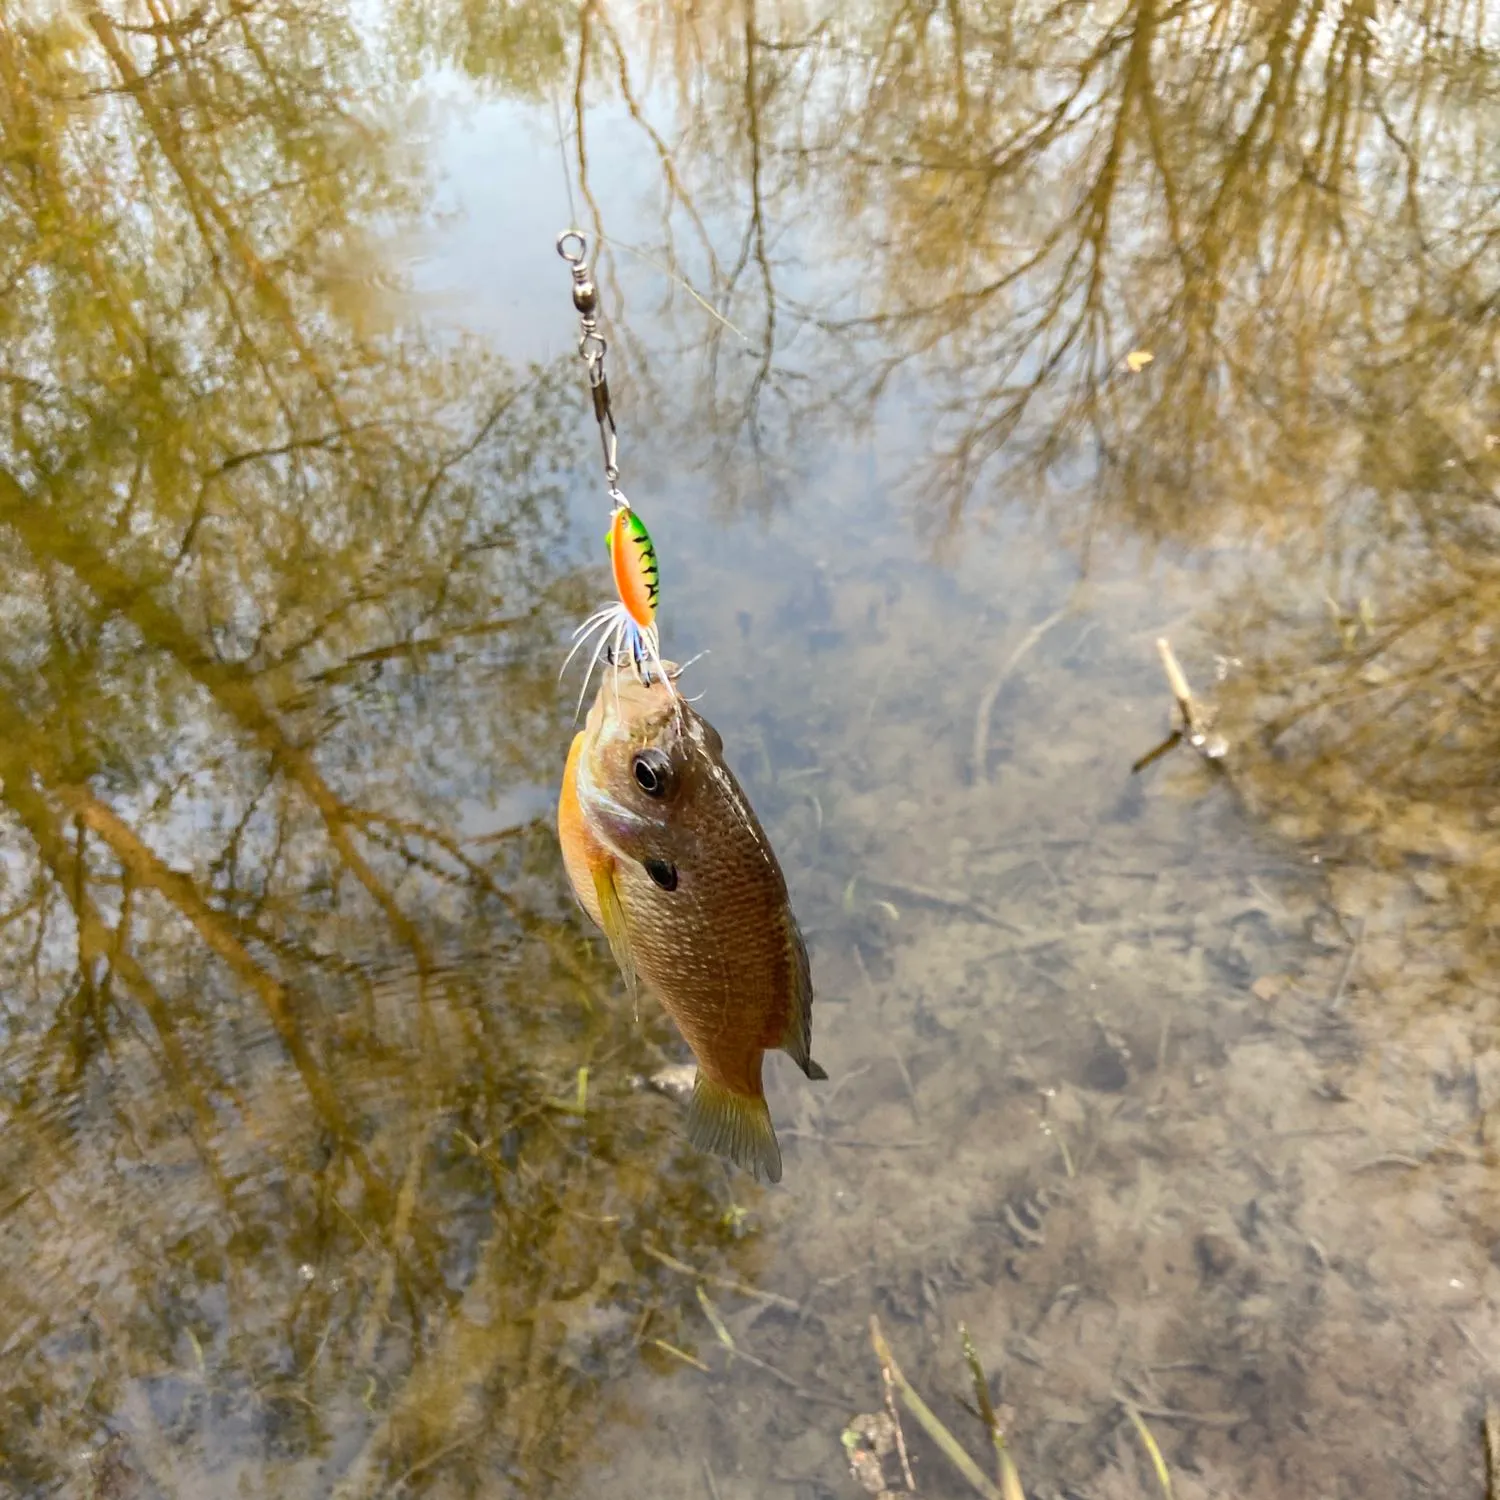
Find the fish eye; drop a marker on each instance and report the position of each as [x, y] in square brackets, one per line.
[653, 772]
[664, 874]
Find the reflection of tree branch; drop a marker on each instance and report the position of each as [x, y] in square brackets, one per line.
[580, 79]
[149, 873]
[377, 581]
[411, 651]
[383, 826]
[755, 249]
[676, 192]
[450, 461]
[758, 230]
[1248, 200]
[219, 937]
[95, 939]
[230, 684]
[206, 208]
[522, 1336]
[324, 441]
[51, 179]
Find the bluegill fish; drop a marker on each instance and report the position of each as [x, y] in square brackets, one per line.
[667, 857]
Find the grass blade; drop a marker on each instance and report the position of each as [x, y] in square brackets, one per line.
[1163, 1478]
[952, 1449]
[712, 1314]
[1010, 1478]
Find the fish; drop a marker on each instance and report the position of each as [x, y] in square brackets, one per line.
[668, 859]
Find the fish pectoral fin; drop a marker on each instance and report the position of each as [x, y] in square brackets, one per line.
[613, 922]
[734, 1125]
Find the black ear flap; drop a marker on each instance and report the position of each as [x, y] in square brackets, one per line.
[663, 873]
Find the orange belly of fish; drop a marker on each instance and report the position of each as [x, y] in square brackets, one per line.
[582, 853]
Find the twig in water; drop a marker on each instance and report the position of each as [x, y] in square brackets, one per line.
[1195, 726]
[839, 1403]
[721, 1332]
[1062, 1146]
[1156, 752]
[712, 1314]
[895, 1051]
[895, 1415]
[1390, 1159]
[713, 1484]
[1348, 969]
[1485, 1356]
[952, 1449]
[1163, 1478]
[916, 1144]
[1178, 683]
[1022, 1231]
[911, 1093]
[471, 1434]
[681, 1354]
[1028, 642]
[729, 1285]
[952, 900]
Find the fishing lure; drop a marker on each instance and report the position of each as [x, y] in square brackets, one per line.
[624, 631]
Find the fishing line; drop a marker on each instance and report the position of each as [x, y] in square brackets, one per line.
[626, 630]
[562, 152]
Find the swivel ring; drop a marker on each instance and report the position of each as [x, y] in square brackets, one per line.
[565, 243]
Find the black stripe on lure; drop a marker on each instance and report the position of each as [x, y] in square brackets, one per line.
[626, 630]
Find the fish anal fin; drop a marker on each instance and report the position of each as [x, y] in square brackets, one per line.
[613, 923]
[734, 1125]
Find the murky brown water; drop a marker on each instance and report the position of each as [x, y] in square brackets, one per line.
[326, 1169]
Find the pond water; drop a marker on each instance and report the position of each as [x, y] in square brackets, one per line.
[960, 353]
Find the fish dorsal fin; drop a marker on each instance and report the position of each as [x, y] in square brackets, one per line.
[797, 1043]
[612, 916]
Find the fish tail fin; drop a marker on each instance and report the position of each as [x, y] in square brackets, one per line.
[797, 1043]
[734, 1125]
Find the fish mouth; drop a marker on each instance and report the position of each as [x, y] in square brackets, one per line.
[632, 706]
[621, 658]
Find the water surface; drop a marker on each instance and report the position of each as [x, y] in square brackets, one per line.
[960, 354]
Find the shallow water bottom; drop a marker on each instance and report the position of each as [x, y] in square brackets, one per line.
[1158, 1108]
[1144, 1100]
